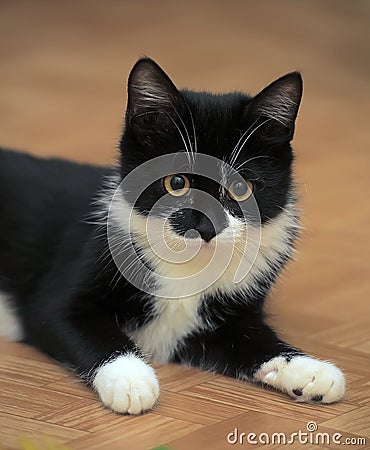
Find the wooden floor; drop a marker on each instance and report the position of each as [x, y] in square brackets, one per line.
[63, 69]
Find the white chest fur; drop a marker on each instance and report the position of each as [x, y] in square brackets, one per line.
[177, 316]
[174, 319]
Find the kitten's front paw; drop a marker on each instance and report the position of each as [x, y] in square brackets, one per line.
[127, 385]
[303, 378]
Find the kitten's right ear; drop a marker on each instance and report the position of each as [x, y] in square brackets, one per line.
[151, 95]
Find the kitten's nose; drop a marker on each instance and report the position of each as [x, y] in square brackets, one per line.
[205, 228]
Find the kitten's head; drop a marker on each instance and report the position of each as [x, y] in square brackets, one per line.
[207, 165]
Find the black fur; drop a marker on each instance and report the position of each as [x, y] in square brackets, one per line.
[51, 250]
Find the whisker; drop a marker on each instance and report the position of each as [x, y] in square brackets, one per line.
[235, 149]
[247, 139]
[237, 168]
[194, 132]
[186, 131]
[188, 152]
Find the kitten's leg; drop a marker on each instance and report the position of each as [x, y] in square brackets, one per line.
[92, 344]
[249, 349]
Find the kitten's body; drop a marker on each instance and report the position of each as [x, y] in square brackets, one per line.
[59, 276]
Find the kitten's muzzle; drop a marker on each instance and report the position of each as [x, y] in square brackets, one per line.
[192, 223]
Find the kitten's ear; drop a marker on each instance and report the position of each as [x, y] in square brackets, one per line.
[152, 97]
[277, 105]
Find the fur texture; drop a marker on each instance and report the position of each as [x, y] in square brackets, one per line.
[170, 255]
[10, 326]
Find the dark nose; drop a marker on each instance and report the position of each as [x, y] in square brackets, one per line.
[205, 228]
[193, 223]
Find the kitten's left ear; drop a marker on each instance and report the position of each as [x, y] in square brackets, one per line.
[278, 105]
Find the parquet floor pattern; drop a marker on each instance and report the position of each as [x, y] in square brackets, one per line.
[62, 72]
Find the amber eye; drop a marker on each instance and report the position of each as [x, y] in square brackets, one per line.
[240, 190]
[176, 185]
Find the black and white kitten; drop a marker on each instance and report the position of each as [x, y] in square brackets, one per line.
[170, 256]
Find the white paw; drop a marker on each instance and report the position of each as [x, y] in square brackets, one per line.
[304, 378]
[127, 385]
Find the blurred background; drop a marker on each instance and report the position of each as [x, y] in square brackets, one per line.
[64, 65]
[63, 73]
